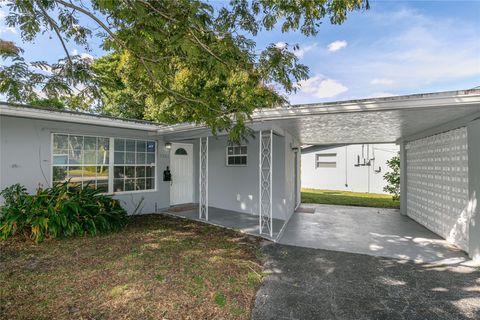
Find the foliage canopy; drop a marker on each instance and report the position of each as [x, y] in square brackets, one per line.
[168, 61]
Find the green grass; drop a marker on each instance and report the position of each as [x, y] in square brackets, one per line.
[347, 198]
[157, 267]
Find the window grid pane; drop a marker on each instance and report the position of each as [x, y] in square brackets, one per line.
[237, 156]
[135, 165]
[85, 161]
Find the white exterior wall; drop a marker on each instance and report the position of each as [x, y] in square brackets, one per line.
[236, 187]
[25, 158]
[473, 135]
[346, 176]
[438, 184]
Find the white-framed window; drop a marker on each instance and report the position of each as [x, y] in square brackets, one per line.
[134, 165]
[236, 156]
[105, 163]
[326, 160]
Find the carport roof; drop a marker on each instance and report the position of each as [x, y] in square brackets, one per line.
[374, 120]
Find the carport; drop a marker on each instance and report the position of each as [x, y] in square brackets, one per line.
[439, 138]
[373, 231]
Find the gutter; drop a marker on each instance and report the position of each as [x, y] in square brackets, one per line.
[81, 118]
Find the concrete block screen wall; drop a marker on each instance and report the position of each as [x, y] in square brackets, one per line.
[438, 186]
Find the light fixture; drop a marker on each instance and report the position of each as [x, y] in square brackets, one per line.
[168, 145]
[295, 149]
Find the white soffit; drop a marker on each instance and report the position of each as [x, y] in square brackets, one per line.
[373, 120]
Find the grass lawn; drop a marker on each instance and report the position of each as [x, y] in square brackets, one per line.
[347, 198]
[158, 267]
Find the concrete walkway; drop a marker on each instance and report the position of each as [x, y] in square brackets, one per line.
[319, 284]
[372, 231]
[244, 222]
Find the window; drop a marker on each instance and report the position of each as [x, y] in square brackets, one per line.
[181, 152]
[325, 160]
[237, 156]
[134, 165]
[86, 161]
[83, 160]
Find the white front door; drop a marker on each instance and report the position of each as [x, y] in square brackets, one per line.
[181, 167]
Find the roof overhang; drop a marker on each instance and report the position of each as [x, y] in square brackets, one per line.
[375, 120]
[74, 117]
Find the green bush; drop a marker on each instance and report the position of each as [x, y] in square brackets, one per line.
[61, 210]
[393, 178]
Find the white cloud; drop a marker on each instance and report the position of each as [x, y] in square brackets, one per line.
[84, 55]
[382, 81]
[300, 53]
[281, 45]
[337, 45]
[381, 95]
[8, 30]
[322, 87]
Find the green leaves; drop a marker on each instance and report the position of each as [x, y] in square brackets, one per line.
[393, 177]
[168, 61]
[58, 211]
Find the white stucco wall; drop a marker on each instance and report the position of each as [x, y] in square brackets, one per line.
[438, 184]
[346, 176]
[25, 157]
[236, 187]
[473, 134]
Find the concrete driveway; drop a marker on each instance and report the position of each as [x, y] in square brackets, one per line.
[372, 231]
[318, 284]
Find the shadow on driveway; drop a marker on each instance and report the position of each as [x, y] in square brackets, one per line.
[318, 284]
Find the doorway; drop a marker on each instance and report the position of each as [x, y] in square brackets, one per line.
[181, 167]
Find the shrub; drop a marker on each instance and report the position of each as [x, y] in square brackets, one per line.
[393, 178]
[62, 210]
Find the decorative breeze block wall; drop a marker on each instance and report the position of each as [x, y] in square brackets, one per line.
[437, 184]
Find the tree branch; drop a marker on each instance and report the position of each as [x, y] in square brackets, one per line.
[57, 31]
[206, 48]
[141, 58]
[93, 17]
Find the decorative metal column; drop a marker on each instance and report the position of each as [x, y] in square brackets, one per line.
[203, 179]
[265, 183]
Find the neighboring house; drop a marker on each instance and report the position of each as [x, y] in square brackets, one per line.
[438, 134]
[353, 167]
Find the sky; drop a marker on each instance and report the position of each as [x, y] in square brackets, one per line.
[395, 48]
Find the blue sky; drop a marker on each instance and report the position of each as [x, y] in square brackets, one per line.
[395, 48]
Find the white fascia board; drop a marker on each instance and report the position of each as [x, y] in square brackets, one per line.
[198, 131]
[373, 105]
[50, 115]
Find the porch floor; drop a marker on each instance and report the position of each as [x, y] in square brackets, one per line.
[243, 222]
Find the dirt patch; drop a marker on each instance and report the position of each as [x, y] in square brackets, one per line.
[158, 267]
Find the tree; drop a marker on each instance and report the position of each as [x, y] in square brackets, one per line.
[393, 177]
[171, 60]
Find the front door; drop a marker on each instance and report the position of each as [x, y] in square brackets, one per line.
[181, 167]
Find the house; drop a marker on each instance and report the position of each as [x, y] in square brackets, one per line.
[352, 167]
[259, 180]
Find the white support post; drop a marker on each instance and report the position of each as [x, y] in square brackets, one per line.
[403, 179]
[271, 184]
[265, 184]
[203, 179]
